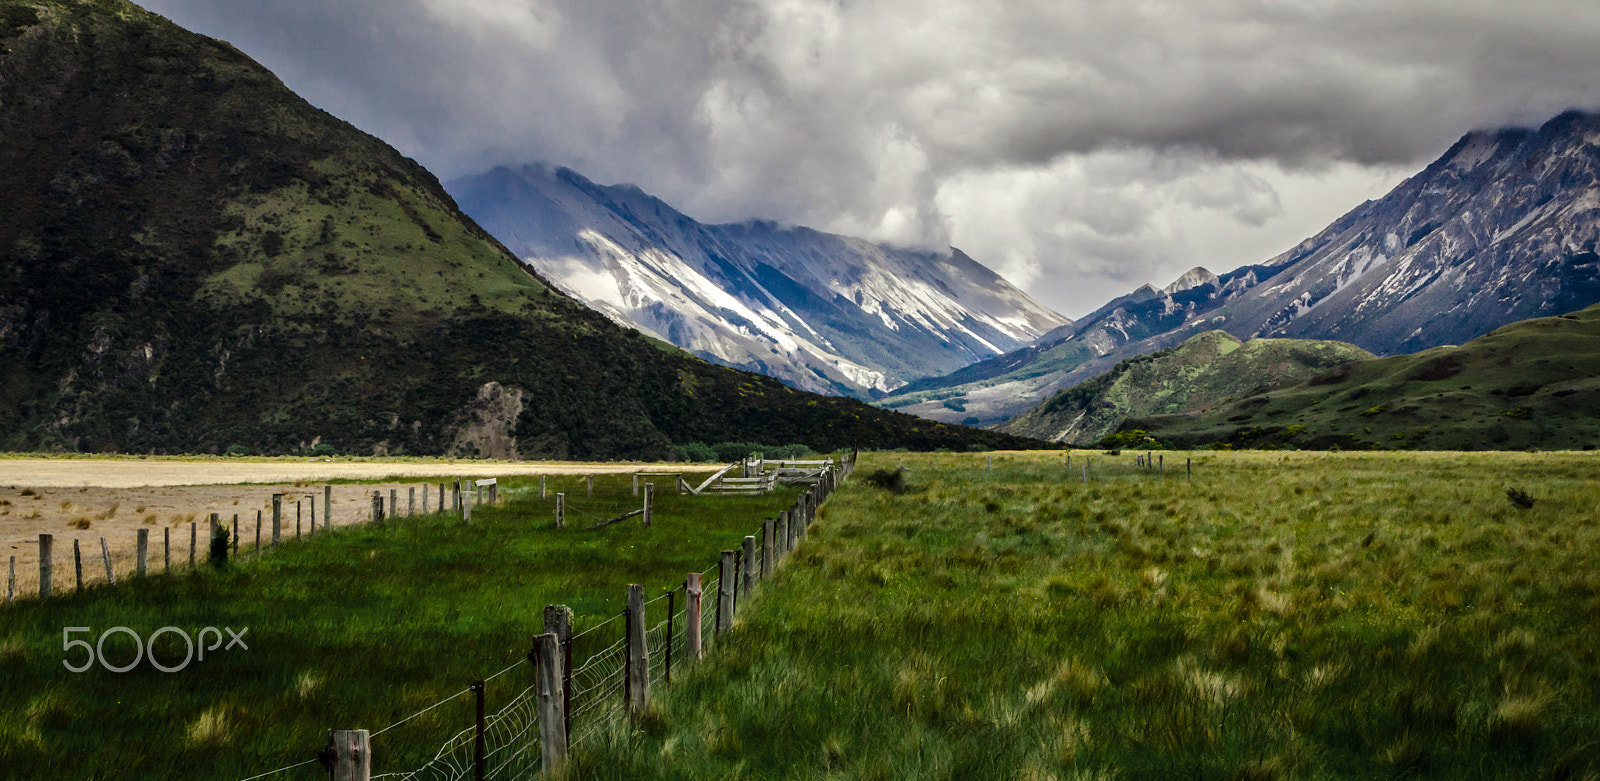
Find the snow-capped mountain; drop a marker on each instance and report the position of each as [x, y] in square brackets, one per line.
[819, 311]
[1503, 227]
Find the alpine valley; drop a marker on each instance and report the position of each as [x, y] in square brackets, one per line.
[1501, 228]
[818, 311]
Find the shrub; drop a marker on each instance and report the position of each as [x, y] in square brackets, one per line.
[892, 480]
[696, 452]
[1133, 440]
[219, 548]
[733, 451]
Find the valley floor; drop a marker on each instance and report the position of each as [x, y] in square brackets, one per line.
[1283, 615]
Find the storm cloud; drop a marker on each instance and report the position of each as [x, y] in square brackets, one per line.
[1080, 147]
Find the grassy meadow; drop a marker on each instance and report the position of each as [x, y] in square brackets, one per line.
[1283, 616]
[353, 629]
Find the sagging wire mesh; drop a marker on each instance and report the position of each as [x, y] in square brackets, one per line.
[597, 689]
[708, 612]
[655, 644]
[680, 634]
[511, 747]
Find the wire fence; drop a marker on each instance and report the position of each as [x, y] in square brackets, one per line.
[506, 744]
[101, 548]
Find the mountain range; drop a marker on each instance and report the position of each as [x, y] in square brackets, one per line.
[1501, 228]
[818, 311]
[197, 260]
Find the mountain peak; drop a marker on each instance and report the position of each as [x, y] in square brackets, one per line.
[1192, 278]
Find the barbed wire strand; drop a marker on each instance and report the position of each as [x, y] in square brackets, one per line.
[281, 769]
[419, 713]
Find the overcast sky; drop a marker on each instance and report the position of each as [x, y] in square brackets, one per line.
[1079, 147]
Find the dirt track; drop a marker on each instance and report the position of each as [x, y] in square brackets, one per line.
[113, 498]
[130, 473]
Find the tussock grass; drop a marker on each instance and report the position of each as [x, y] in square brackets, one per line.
[1286, 615]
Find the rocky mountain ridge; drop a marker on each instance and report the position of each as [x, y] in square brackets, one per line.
[1501, 228]
[818, 311]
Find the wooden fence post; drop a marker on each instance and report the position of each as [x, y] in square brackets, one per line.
[258, 534]
[352, 755]
[11, 582]
[725, 581]
[478, 493]
[691, 612]
[77, 562]
[747, 579]
[649, 504]
[638, 653]
[1188, 469]
[142, 552]
[441, 497]
[105, 554]
[989, 465]
[561, 511]
[424, 497]
[327, 507]
[299, 507]
[783, 535]
[768, 547]
[552, 702]
[466, 509]
[411, 501]
[235, 536]
[635, 483]
[589, 484]
[166, 543]
[455, 496]
[377, 507]
[211, 542]
[194, 536]
[277, 518]
[394, 503]
[541, 486]
[558, 621]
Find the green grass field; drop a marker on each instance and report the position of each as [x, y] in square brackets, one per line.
[354, 629]
[1285, 615]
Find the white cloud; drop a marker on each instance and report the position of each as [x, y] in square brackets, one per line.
[1080, 146]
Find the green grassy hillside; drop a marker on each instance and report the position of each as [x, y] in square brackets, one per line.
[1284, 616]
[1533, 384]
[1208, 369]
[197, 260]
